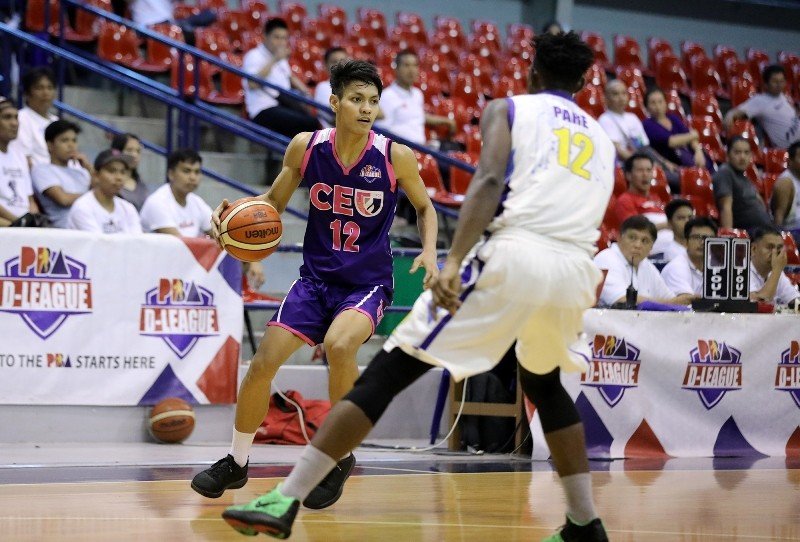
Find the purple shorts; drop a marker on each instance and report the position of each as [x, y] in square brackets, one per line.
[311, 306]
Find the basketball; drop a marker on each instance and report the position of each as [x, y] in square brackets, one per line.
[250, 229]
[171, 420]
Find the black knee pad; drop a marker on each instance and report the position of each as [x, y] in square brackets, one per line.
[556, 408]
[388, 374]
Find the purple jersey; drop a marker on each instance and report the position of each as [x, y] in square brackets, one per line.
[351, 211]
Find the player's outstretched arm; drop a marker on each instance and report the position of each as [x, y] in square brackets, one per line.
[480, 204]
[407, 172]
[285, 183]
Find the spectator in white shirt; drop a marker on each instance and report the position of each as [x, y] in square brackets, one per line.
[786, 193]
[767, 261]
[403, 105]
[771, 109]
[57, 184]
[266, 106]
[679, 212]
[151, 12]
[625, 129]
[16, 190]
[101, 210]
[684, 274]
[322, 92]
[39, 91]
[626, 263]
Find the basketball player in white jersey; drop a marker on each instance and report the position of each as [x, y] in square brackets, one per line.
[520, 269]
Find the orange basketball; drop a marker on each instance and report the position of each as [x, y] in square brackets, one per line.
[250, 229]
[171, 420]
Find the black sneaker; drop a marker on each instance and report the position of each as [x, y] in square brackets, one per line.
[222, 475]
[591, 532]
[330, 488]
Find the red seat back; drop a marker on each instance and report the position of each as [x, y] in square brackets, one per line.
[459, 178]
[792, 255]
[775, 160]
[591, 99]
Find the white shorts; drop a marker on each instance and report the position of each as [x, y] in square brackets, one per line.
[515, 287]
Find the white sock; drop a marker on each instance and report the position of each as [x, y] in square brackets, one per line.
[240, 446]
[309, 471]
[580, 504]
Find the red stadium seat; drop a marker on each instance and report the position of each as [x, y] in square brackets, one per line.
[459, 178]
[481, 46]
[636, 104]
[119, 44]
[596, 76]
[591, 99]
[745, 129]
[659, 187]
[705, 105]
[472, 139]
[691, 51]
[455, 109]
[412, 25]
[466, 88]
[620, 182]
[632, 77]
[86, 23]
[234, 23]
[35, 19]
[598, 45]
[657, 48]
[520, 31]
[610, 221]
[250, 40]
[696, 181]
[710, 138]
[451, 27]
[429, 84]
[158, 53]
[732, 232]
[705, 78]
[670, 75]
[702, 206]
[319, 31]
[184, 11]
[336, 17]
[191, 78]
[792, 254]
[757, 60]
[736, 69]
[432, 178]
[775, 160]
[508, 86]
[213, 41]
[722, 55]
[674, 104]
[752, 174]
[258, 12]
[627, 52]
[375, 20]
[741, 90]
[212, 4]
[294, 13]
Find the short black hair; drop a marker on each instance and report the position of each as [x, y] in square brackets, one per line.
[349, 71]
[333, 50]
[771, 70]
[182, 155]
[627, 166]
[561, 60]
[275, 23]
[698, 222]
[34, 75]
[792, 150]
[639, 223]
[673, 206]
[401, 54]
[119, 141]
[654, 90]
[736, 139]
[761, 231]
[58, 127]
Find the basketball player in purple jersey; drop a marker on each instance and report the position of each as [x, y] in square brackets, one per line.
[353, 175]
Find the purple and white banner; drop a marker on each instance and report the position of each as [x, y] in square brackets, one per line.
[90, 319]
[687, 385]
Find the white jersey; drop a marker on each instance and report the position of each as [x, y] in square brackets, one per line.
[560, 173]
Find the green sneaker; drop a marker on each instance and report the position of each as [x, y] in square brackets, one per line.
[571, 532]
[271, 514]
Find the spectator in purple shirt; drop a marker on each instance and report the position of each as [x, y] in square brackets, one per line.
[669, 135]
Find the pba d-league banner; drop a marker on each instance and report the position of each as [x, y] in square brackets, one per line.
[688, 385]
[89, 319]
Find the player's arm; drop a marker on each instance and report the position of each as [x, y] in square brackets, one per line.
[6, 216]
[782, 197]
[725, 205]
[407, 172]
[480, 204]
[285, 183]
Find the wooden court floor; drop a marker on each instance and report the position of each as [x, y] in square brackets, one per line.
[418, 505]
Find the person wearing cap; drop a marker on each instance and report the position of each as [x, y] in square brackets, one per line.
[16, 190]
[101, 210]
[57, 184]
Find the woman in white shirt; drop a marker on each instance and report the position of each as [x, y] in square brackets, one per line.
[39, 88]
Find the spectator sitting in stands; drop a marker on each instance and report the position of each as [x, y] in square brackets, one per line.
[101, 210]
[268, 107]
[626, 261]
[39, 91]
[152, 12]
[679, 212]
[684, 274]
[16, 190]
[175, 209]
[767, 260]
[638, 200]
[403, 105]
[786, 193]
[771, 109]
[57, 184]
[133, 190]
[625, 129]
[322, 92]
[739, 203]
[669, 136]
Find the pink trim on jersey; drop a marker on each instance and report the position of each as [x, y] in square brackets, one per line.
[293, 331]
[307, 155]
[365, 313]
[346, 170]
